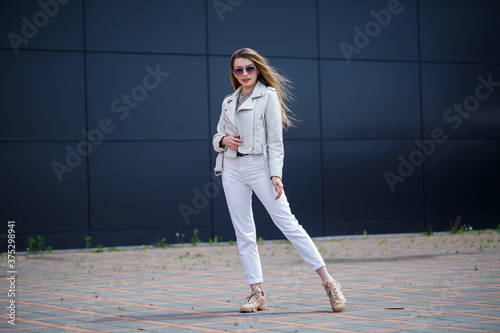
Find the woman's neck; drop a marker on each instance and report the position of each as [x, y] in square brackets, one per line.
[246, 90]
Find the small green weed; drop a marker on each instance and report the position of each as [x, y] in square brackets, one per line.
[161, 243]
[88, 241]
[260, 240]
[214, 241]
[458, 227]
[36, 246]
[31, 245]
[196, 239]
[99, 248]
[428, 232]
[231, 242]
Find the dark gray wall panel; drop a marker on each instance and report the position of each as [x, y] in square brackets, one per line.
[273, 28]
[168, 107]
[462, 178]
[220, 87]
[366, 100]
[303, 180]
[57, 239]
[47, 26]
[42, 96]
[447, 222]
[140, 185]
[225, 233]
[462, 31]
[355, 185]
[304, 75]
[303, 188]
[143, 236]
[463, 100]
[174, 26]
[151, 141]
[221, 214]
[381, 226]
[395, 39]
[32, 195]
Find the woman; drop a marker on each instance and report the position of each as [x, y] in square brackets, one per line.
[249, 140]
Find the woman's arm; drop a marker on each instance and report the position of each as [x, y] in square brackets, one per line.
[274, 134]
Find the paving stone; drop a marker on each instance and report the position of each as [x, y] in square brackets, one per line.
[200, 289]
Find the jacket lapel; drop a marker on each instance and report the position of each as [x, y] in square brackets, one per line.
[258, 91]
[247, 105]
[231, 106]
[231, 101]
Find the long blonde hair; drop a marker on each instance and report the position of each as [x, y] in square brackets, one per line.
[269, 77]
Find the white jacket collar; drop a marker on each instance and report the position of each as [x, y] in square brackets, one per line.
[231, 100]
[258, 91]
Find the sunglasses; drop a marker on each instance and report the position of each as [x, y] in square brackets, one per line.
[239, 71]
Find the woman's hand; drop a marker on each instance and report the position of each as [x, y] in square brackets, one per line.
[278, 186]
[232, 141]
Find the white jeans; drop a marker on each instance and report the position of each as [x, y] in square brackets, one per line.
[240, 176]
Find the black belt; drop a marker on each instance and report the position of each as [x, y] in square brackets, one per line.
[241, 155]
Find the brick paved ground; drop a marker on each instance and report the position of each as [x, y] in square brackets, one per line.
[444, 283]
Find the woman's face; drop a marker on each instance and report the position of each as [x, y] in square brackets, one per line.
[246, 79]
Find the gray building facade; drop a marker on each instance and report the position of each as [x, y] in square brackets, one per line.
[108, 109]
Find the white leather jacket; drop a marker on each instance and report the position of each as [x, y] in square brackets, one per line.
[263, 135]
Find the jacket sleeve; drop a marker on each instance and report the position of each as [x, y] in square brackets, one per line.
[274, 134]
[220, 132]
